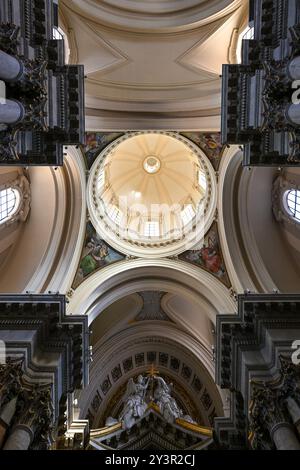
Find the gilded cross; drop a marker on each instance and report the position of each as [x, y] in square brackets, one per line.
[152, 371]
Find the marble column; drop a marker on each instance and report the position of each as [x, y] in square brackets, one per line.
[6, 416]
[20, 438]
[294, 68]
[294, 411]
[284, 437]
[11, 112]
[11, 68]
[293, 113]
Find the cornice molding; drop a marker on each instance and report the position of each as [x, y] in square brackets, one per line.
[36, 326]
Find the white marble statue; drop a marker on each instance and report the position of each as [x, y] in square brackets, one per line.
[167, 404]
[134, 402]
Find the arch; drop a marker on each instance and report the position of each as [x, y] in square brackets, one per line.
[136, 339]
[229, 170]
[250, 235]
[168, 16]
[112, 283]
[75, 222]
[50, 245]
[239, 239]
[123, 278]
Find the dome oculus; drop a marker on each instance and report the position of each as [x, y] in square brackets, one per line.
[151, 164]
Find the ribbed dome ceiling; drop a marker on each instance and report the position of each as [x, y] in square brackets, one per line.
[154, 169]
[149, 188]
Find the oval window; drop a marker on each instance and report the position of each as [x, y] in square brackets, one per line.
[9, 203]
[293, 203]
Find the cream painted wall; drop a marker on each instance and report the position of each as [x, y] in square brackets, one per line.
[42, 253]
[9, 234]
[116, 316]
[274, 250]
[27, 255]
[47, 251]
[179, 309]
[291, 231]
[198, 322]
[259, 251]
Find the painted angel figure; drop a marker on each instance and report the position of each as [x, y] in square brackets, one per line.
[134, 401]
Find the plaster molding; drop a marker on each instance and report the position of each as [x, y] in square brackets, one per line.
[246, 268]
[113, 282]
[145, 18]
[70, 36]
[244, 20]
[40, 275]
[66, 269]
[230, 161]
[117, 122]
[136, 335]
[251, 244]
[57, 269]
[120, 77]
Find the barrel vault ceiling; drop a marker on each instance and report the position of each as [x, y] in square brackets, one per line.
[177, 86]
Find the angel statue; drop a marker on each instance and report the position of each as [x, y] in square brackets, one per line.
[134, 399]
[167, 404]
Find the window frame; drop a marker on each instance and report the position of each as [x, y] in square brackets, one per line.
[148, 226]
[115, 214]
[187, 214]
[16, 207]
[292, 213]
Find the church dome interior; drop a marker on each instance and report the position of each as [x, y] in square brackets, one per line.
[151, 190]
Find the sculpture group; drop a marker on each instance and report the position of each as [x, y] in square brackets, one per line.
[136, 402]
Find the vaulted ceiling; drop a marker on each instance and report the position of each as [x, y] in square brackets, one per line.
[152, 66]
